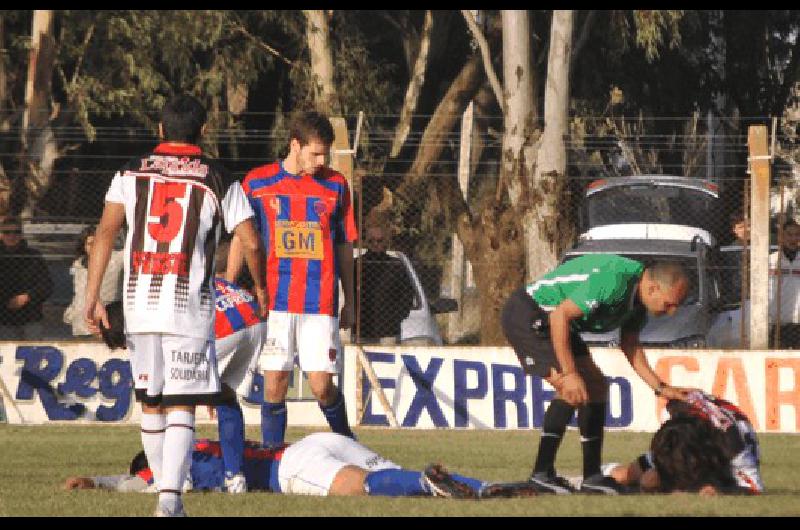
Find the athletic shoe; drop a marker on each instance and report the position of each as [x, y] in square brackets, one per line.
[507, 490]
[551, 483]
[441, 484]
[601, 484]
[170, 510]
[236, 484]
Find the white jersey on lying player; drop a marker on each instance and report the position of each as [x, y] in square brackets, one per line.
[175, 203]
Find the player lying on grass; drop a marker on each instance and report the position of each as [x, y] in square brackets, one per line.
[319, 464]
[707, 446]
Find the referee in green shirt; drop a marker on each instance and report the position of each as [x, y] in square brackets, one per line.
[543, 321]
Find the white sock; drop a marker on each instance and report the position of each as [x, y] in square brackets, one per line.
[153, 442]
[178, 440]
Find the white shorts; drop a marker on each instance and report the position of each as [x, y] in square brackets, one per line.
[237, 357]
[181, 369]
[309, 466]
[313, 339]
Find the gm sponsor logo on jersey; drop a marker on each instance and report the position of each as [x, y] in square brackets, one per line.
[298, 239]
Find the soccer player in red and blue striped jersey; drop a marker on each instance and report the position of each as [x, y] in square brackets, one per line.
[305, 218]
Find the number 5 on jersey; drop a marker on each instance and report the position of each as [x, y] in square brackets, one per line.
[169, 212]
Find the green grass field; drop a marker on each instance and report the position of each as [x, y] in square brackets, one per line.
[37, 459]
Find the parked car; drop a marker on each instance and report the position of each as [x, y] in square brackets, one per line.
[420, 326]
[688, 327]
[651, 207]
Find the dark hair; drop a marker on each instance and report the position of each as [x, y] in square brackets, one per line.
[114, 335]
[138, 463]
[688, 453]
[789, 222]
[182, 119]
[80, 247]
[737, 217]
[311, 125]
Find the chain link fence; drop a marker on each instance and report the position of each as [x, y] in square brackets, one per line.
[417, 283]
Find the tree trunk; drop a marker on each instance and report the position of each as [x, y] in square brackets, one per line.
[544, 225]
[444, 119]
[319, 46]
[40, 150]
[414, 87]
[518, 161]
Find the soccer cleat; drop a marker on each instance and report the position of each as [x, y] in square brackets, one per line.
[551, 483]
[603, 485]
[236, 483]
[441, 484]
[165, 509]
[507, 490]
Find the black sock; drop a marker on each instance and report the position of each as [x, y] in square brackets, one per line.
[591, 421]
[558, 415]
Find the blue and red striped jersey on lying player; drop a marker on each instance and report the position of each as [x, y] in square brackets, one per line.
[301, 219]
[208, 472]
[237, 309]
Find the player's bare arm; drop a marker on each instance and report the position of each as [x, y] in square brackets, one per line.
[569, 382]
[252, 251]
[634, 352]
[344, 258]
[235, 259]
[107, 229]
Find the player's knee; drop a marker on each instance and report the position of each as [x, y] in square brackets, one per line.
[321, 384]
[349, 481]
[276, 385]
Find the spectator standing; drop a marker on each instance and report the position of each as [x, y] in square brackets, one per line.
[384, 293]
[110, 288]
[305, 217]
[787, 259]
[24, 284]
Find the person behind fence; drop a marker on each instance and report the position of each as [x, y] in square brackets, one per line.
[175, 201]
[732, 277]
[110, 288]
[543, 320]
[25, 284]
[305, 217]
[786, 258]
[384, 293]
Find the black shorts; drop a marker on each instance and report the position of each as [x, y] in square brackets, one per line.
[527, 328]
[177, 400]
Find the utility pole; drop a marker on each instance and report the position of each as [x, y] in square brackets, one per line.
[759, 236]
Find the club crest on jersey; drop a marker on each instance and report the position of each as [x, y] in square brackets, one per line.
[320, 208]
[275, 204]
